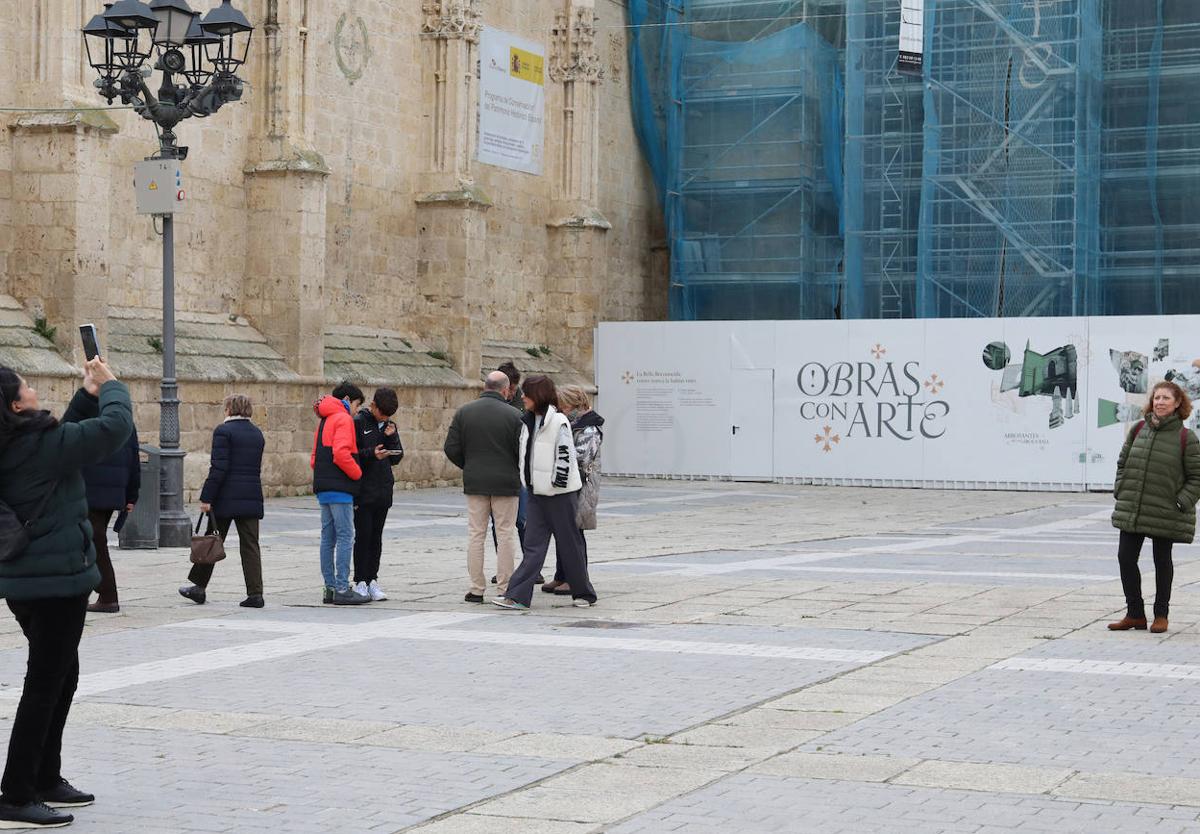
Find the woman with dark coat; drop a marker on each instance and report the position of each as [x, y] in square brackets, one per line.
[233, 494]
[1157, 486]
[113, 485]
[48, 583]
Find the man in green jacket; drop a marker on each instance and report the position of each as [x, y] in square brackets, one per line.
[47, 584]
[482, 442]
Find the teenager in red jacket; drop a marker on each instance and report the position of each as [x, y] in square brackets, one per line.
[336, 476]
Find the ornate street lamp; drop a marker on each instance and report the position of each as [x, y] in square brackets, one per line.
[120, 40]
[103, 39]
[174, 19]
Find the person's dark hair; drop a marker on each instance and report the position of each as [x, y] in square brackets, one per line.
[1184, 407]
[510, 370]
[347, 390]
[12, 423]
[386, 401]
[540, 389]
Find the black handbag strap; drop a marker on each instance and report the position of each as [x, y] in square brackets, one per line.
[200, 520]
[41, 507]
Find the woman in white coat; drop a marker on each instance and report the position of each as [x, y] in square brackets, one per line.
[550, 471]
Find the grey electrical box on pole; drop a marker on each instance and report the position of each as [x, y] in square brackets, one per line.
[158, 184]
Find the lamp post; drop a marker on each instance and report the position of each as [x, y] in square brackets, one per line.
[119, 41]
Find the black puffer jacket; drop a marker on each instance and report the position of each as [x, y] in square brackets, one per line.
[375, 488]
[61, 559]
[234, 483]
[115, 481]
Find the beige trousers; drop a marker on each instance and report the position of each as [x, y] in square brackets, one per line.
[479, 509]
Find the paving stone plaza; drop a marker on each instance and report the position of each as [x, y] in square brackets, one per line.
[763, 658]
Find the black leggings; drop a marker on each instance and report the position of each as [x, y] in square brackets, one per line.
[1128, 550]
[53, 628]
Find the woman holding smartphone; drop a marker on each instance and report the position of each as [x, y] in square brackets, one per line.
[47, 583]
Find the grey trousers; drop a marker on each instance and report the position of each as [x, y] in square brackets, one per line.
[552, 515]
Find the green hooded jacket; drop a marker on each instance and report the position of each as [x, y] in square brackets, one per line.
[61, 559]
[1158, 482]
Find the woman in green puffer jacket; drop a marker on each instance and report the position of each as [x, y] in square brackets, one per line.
[47, 584]
[1158, 484]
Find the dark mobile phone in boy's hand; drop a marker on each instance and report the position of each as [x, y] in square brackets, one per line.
[91, 341]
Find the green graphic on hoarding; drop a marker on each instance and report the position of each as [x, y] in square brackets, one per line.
[1044, 374]
[1106, 414]
[1054, 374]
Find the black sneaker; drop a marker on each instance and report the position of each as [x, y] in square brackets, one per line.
[66, 795]
[32, 815]
[255, 601]
[350, 597]
[193, 592]
[473, 597]
[327, 596]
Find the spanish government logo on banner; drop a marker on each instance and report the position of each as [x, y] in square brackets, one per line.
[526, 65]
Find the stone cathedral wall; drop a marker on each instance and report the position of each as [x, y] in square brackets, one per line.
[337, 223]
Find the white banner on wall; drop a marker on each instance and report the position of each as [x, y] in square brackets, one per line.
[912, 37]
[512, 98]
[1038, 403]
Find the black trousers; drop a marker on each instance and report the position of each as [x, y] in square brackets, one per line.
[1128, 550]
[248, 548]
[552, 515]
[107, 589]
[53, 628]
[369, 520]
[559, 576]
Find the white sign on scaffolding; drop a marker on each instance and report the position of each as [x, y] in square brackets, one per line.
[912, 37]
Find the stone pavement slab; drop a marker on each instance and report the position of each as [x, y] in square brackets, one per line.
[763, 658]
[762, 804]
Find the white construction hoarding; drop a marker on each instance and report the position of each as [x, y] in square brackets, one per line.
[1036, 403]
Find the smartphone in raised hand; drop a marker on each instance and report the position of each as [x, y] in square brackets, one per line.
[91, 341]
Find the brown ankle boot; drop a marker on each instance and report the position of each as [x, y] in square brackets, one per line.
[1126, 623]
[1159, 625]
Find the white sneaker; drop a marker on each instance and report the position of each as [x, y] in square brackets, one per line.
[377, 594]
[582, 603]
[361, 588]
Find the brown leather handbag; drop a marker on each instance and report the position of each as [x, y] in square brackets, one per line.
[209, 548]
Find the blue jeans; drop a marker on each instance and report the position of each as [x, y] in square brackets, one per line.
[337, 529]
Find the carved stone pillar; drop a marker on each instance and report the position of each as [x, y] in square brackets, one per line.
[452, 230]
[578, 230]
[286, 199]
[575, 64]
[61, 186]
[451, 261]
[450, 43]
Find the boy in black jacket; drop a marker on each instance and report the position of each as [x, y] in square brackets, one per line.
[379, 450]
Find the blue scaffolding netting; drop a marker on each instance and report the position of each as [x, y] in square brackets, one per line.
[1046, 162]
